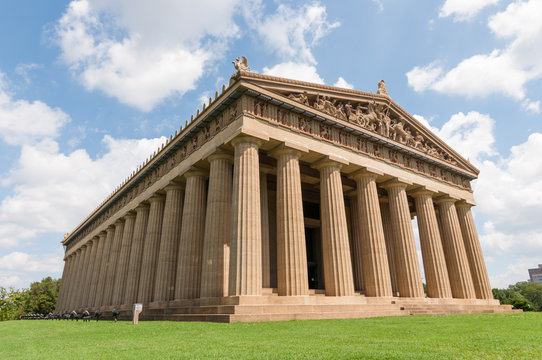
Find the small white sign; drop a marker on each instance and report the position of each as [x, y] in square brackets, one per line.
[138, 307]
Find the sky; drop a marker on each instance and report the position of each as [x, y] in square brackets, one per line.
[90, 88]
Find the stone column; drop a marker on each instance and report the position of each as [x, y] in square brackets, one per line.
[454, 251]
[124, 258]
[113, 262]
[434, 264]
[74, 273]
[473, 249]
[169, 243]
[97, 269]
[101, 288]
[292, 272]
[89, 273]
[376, 270]
[246, 227]
[264, 206]
[82, 279]
[216, 242]
[150, 249]
[192, 232]
[409, 279]
[335, 247]
[388, 236]
[136, 254]
[355, 248]
[63, 286]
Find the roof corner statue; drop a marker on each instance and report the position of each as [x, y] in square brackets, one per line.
[241, 65]
[253, 198]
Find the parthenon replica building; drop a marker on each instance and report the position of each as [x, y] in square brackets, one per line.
[284, 200]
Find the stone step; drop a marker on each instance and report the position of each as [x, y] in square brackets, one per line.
[314, 316]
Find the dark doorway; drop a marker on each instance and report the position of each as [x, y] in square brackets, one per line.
[314, 258]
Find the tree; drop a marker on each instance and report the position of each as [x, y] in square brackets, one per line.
[39, 299]
[522, 295]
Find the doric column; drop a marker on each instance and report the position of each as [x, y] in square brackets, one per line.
[63, 285]
[93, 244]
[70, 299]
[434, 264]
[246, 227]
[150, 249]
[388, 236]
[113, 262]
[192, 232]
[335, 247]
[85, 257]
[477, 265]
[264, 206]
[169, 243]
[409, 279]
[376, 270]
[292, 276]
[215, 263]
[102, 282]
[355, 246]
[124, 258]
[97, 269]
[454, 251]
[136, 254]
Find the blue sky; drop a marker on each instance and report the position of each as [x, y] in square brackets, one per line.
[90, 88]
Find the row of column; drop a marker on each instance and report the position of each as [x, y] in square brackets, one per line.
[195, 240]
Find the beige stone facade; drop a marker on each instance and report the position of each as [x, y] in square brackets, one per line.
[285, 200]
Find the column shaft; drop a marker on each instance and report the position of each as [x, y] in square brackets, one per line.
[292, 272]
[136, 254]
[355, 248]
[124, 258]
[246, 227]
[150, 250]
[474, 253]
[102, 282]
[73, 280]
[434, 264]
[376, 270]
[266, 255]
[409, 279]
[89, 273]
[82, 276]
[388, 236]
[63, 286]
[113, 262]
[335, 247]
[454, 252]
[169, 243]
[97, 269]
[215, 264]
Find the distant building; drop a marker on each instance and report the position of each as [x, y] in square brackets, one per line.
[536, 274]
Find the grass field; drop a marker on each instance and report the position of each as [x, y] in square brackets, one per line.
[492, 336]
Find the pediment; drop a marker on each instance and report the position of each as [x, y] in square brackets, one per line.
[373, 113]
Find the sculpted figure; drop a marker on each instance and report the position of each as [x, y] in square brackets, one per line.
[400, 133]
[350, 116]
[382, 88]
[419, 143]
[371, 118]
[302, 98]
[319, 103]
[241, 64]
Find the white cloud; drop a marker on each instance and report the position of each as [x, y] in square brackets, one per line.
[23, 70]
[24, 122]
[502, 71]
[297, 71]
[53, 191]
[464, 9]
[292, 33]
[144, 52]
[531, 106]
[20, 260]
[343, 83]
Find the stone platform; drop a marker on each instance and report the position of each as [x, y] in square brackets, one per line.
[271, 307]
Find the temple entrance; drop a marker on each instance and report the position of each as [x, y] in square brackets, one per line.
[314, 257]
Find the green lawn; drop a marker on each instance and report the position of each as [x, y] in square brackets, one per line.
[492, 336]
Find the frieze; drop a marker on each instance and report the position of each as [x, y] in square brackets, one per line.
[377, 118]
[346, 139]
[166, 165]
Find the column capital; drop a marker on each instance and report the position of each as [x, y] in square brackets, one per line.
[396, 182]
[102, 233]
[464, 204]
[142, 206]
[220, 154]
[118, 222]
[423, 190]
[246, 139]
[174, 186]
[110, 228]
[445, 199]
[366, 172]
[330, 161]
[194, 171]
[129, 214]
[288, 147]
[156, 198]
